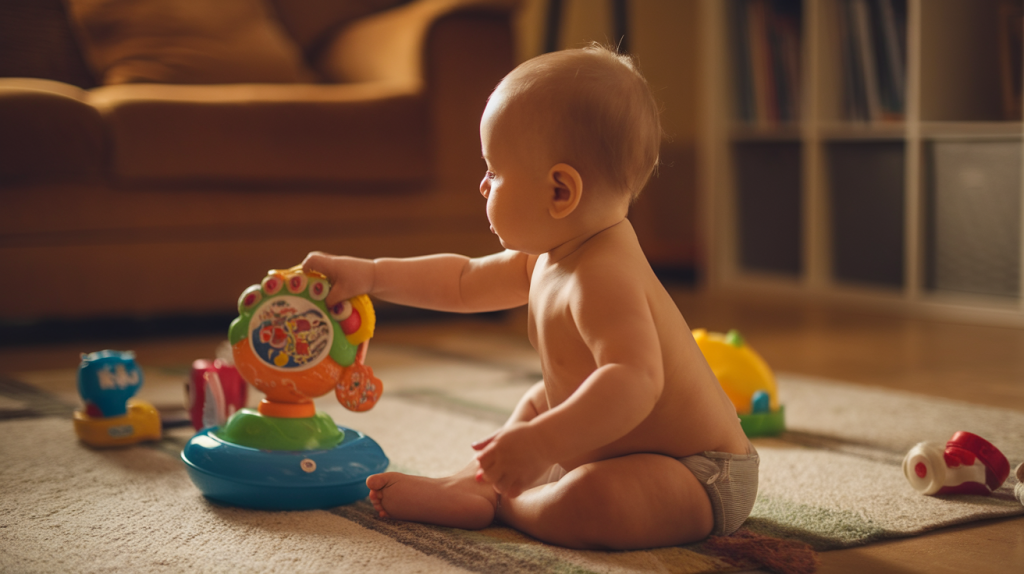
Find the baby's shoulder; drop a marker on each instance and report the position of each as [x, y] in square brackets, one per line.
[615, 257]
[615, 281]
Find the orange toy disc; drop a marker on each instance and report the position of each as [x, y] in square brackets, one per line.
[278, 385]
[358, 389]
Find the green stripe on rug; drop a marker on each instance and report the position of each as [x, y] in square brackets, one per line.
[466, 549]
[498, 549]
[821, 528]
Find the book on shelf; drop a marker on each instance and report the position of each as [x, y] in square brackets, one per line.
[872, 36]
[765, 43]
[1011, 34]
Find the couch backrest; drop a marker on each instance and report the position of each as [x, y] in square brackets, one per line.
[91, 42]
[36, 41]
[186, 42]
[312, 22]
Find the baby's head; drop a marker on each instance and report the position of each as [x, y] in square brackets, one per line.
[589, 108]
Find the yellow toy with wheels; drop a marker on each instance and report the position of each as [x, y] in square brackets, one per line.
[107, 380]
[746, 378]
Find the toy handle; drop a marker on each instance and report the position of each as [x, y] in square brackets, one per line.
[361, 352]
[359, 390]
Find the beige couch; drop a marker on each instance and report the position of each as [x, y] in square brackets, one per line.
[138, 198]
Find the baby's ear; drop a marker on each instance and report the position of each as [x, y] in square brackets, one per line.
[567, 189]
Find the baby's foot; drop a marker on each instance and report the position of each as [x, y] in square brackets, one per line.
[457, 501]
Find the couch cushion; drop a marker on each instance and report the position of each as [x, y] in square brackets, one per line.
[266, 134]
[310, 22]
[48, 131]
[186, 42]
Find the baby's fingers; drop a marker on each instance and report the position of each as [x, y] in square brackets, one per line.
[480, 445]
[499, 481]
[488, 477]
[489, 472]
[318, 262]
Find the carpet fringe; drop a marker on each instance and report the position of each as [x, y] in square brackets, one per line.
[745, 548]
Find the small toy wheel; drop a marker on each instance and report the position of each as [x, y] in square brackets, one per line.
[925, 468]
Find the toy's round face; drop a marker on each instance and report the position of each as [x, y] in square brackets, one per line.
[287, 343]
[290, 333]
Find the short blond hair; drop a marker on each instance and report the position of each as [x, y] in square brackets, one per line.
[594, 109]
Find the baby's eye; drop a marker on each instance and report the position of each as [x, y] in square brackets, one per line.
[490, 175]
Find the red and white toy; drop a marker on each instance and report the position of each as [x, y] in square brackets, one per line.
[214, 392]
[969, 464]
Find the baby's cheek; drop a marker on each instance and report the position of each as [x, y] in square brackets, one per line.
[490, 211]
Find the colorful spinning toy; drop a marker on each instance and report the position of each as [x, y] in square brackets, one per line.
[287, 343]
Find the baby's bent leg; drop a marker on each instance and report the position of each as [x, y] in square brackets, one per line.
[630, 502]
[458, 501]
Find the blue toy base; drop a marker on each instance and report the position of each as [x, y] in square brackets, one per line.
[282, 480]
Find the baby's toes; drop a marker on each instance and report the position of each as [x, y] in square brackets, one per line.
[377, 500]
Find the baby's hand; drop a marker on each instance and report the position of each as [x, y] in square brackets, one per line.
[349, 276]
[512, 459]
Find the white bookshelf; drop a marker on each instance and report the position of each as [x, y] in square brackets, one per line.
[953, 93]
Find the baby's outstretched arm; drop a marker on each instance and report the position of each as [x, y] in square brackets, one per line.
[349, 276]
[445, 282]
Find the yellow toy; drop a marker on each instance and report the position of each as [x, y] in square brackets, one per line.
[140, 423]
[106, 381]
[746, 378]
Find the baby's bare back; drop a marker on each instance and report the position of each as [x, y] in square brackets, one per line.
[609, 275]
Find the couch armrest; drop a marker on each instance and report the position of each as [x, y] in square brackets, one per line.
[48, 130]
[391, 46]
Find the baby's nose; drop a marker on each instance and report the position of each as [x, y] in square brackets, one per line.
[485, 186]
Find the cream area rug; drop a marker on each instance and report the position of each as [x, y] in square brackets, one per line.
[833, 480]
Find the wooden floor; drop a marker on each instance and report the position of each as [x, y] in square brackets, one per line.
[978, 364]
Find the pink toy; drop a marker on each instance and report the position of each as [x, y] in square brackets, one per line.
[968, 465]
[214, 393]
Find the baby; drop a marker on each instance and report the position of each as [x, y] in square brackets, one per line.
[629, 441]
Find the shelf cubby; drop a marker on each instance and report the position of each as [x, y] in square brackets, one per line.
[908, 195]
[866, 180]
[960, 60]
[973, 206]
[768, 199]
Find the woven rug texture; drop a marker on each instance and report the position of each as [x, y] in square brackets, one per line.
[833, 480]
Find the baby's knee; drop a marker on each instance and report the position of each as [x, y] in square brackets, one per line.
[538, 396]
[538, 390]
